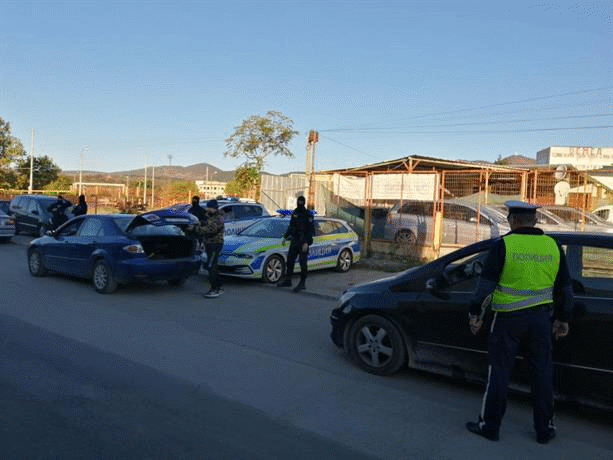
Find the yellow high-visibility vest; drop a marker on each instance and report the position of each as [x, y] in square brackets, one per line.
[530, 268]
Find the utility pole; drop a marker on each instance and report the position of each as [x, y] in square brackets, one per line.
[310, 166]
[81, 171]
[145, 185]
[152, 183]
[31, 165]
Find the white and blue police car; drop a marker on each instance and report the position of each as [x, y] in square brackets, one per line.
[259, 252]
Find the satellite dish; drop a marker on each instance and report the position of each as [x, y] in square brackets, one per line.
[560, 172]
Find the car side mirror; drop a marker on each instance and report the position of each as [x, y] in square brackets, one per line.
[432, 286]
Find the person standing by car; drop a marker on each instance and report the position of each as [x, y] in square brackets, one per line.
[200, 213]
[212, 231]
[300, 234]
[58, 211]
[81, 208]
[197, 210]
[526, 275]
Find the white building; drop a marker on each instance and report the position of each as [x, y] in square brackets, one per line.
[579, 157]
[210, 189]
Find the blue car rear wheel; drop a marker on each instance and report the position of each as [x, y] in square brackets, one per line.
[102, 277]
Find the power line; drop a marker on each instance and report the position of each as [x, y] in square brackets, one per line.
[348, 146]
[430, 133]
[451, 112]
[476, 123]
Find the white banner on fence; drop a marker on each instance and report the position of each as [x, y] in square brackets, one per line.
[387, 186]
[403, 186]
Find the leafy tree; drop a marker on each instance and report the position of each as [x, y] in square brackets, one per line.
[259, 136]
[45, 171]
[11, 149]
[63, 182]
[178, 191]
[246, 182]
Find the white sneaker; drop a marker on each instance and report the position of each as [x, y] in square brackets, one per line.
[212, 293]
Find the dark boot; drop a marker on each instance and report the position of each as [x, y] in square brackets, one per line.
[285, 282]
[300, 286]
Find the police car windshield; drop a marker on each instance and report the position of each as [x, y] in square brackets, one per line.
[267, 228]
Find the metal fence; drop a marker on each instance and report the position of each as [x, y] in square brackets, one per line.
[424, 214]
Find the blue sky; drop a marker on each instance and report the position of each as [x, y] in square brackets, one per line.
[136, 81]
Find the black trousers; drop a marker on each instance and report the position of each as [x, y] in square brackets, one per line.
[212, 255]
[295, 250]
[509, 330]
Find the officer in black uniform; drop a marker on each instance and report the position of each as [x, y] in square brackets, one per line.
[58, 211]
[300, 234]
[526, 275]
[197, 210]
[201, 214]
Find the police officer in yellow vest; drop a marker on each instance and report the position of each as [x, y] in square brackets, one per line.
[531, 297]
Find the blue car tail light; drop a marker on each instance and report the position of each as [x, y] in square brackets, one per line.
[134, 249]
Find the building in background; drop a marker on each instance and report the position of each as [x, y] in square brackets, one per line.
[581, 158]
[210, 189]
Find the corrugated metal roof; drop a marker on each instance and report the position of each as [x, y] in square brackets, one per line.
[422, 163]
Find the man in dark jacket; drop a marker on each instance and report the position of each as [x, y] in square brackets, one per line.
[197, 210]
[526, 277]
[300, 234]
[58, 211]
[212, 231]
[81, 208]
[200, 213]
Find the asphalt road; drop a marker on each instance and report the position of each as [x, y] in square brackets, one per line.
[159, 372]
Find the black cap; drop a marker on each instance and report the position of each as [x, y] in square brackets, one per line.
[520, 207]
[212, 204]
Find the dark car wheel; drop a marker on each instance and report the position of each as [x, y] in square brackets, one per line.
[345, 259]
[273, 269]
[405, 237]
[102, 277]
[35, 263]
[376, 345]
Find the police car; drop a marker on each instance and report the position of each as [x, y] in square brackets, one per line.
[258, 251]
[238, 213]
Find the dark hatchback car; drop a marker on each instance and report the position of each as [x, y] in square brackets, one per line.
[419, 318]
[118, 249]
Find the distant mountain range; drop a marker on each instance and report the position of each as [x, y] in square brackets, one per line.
[202, 171]
[199, 171]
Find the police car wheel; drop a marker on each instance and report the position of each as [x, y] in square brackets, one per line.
[405, 237]
[345, 259]
[376, 345]
[102, 278]
[273, 269]
[35, 263]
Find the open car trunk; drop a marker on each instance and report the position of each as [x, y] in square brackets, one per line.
[167, 247]
[164, 234]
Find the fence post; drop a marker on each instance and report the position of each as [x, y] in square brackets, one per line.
[367, 212]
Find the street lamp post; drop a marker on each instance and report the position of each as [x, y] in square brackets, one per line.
[81, 171]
